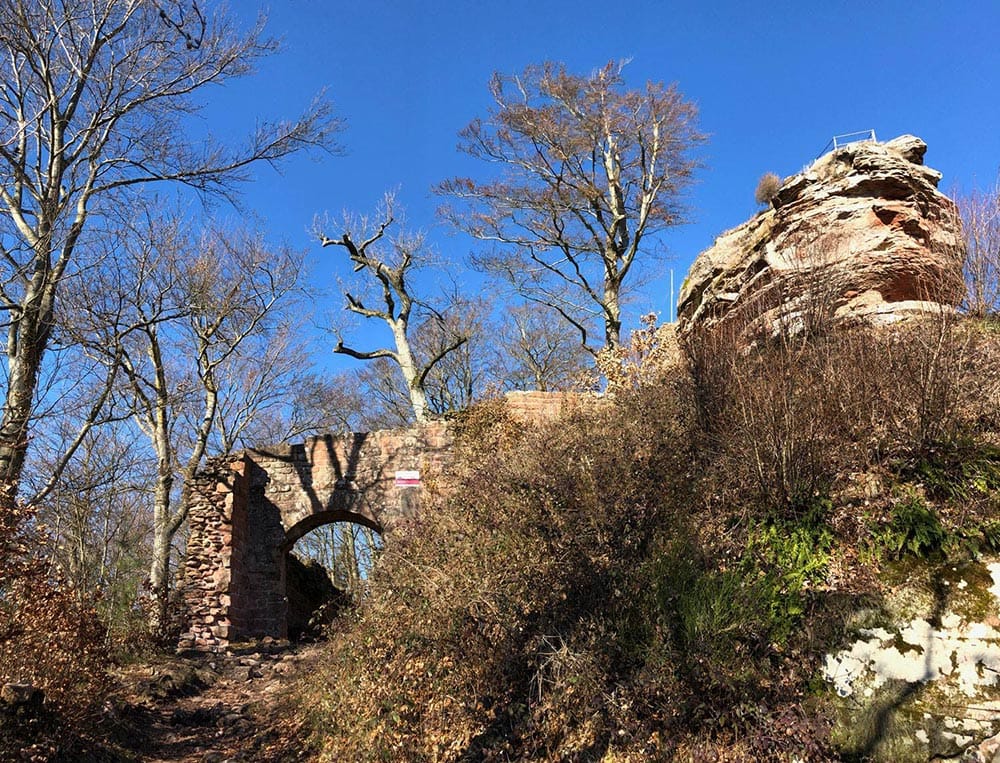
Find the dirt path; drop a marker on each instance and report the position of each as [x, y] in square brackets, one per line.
[214, 708]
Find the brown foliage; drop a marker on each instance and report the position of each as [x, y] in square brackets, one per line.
[52, 640]
[767, 188]
[499, 626]
[787, 417]
[653, 353]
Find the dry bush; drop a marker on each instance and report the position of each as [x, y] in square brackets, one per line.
[652, 355]
[775, 430]
[767, 188]
[570, 600]
[505, 624]
[51, 640]
[788, 417]
[557, 605]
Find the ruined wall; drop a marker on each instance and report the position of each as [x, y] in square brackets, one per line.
[211, 544]
[248, 510]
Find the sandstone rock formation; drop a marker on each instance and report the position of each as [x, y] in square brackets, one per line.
[861, 234]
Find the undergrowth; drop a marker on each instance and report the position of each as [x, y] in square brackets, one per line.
[52, 640]
[652, 577]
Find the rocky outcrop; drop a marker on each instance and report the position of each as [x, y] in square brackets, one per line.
[861, 234]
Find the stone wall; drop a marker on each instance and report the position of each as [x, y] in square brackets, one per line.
[533, 407]
[248, 510]
[208, 567]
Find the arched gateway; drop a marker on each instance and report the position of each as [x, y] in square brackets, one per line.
[246, 512]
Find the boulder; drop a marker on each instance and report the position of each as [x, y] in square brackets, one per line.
[862, 234]
[917, 679]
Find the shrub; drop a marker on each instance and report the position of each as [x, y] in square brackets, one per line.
[504, 622]
[52, 640]
[784, 418]
[767, 188]
[652, 355]
[772, 420]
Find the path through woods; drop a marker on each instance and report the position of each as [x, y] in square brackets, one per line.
[211, 708]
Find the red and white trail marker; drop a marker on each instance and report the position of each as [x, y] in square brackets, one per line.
[407, 478]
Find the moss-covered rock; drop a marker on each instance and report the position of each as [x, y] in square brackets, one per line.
[926, 683]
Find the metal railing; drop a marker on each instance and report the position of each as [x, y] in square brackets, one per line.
[838, 141]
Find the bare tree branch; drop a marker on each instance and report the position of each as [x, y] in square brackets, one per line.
[388, 269]
[94, 100]
[980, 211]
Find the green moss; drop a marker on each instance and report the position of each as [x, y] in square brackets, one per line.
[910, 591]
[884, 729]
[974, 602]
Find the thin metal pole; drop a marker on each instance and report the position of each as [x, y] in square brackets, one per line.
[672, 316]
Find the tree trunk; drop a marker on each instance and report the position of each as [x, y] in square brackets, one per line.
[612, 315]
[163, 534]
[28, 337]
[411, 373]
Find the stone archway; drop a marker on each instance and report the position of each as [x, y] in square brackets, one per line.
[247, 511]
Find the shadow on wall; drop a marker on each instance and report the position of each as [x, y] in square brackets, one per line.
[313, 599]
[294, 489]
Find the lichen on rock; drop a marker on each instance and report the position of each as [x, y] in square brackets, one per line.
[927, 687]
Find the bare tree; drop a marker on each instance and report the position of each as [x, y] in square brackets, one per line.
[269, 393]
[346, 550]
[100, 528]
[455, 382]
[387, 263]
[175, 314]
[535, 353]
[588, 171]
[980, 212]
[383, 389]
[227, 292]
[463, 374]
[92, 106]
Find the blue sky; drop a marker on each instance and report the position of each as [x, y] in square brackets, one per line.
[773, 82]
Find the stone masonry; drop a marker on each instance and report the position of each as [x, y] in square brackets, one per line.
[249, 509]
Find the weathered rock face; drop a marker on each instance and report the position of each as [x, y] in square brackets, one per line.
[918, 679]
[861, 234]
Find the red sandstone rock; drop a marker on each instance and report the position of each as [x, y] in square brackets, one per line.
[861, 234]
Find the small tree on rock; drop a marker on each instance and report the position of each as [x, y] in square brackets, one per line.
[767, 188]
